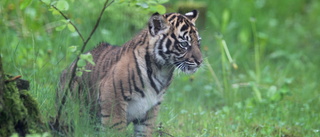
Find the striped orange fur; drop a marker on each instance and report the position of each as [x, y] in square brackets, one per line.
[128, 82]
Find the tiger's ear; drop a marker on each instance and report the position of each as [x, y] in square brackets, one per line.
[193, 15]
[157, 24]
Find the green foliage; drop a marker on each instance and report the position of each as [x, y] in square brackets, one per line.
[62, 5]
[150, 5]
[84, 58]
[273, 92]
[25, 3]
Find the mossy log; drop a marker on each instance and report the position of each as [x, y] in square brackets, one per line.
[19, 112]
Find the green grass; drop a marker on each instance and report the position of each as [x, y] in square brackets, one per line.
[273, 92]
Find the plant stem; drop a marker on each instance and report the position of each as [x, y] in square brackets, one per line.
[65, 17]
[224, 68]
[73, 72]
[225, 47]
[256, 59]
[214, 76]
[256, 50]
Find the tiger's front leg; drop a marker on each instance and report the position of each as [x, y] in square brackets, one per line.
[113, 108]
[113, 114]
[145, 127]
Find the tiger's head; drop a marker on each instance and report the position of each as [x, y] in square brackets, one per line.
[177, 41]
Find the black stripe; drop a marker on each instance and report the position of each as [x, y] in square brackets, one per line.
[181, 57]
[177, 24]
[114, 85]
[150, 29]
[173, 36]
[104, 57]
[142, 121]
[121, 128]
[168, 82]
[172, 17]
[116, 124]
[108, 50]
[168, 44]
[111, 60]
[162, 54]
[184, 27]
[179, 21]
[118, 55]
[161, 84]
[160, 48]
[175, 43]
[184, 34]
[179, 50]
[104, 115]
[175, 53]
[144, 37]
[122, 92]
[129, 81]
[149, 70]
[136, 88]
[138, 70]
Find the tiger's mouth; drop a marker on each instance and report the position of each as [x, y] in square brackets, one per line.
[187, 67]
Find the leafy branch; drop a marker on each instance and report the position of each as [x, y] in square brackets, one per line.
[65, 17]
[85, 41]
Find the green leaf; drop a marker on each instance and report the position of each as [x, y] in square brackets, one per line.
[65, 21]
[143, 5]
[71, 28]
[60, 28]
[54, 11]
[226, 109]
[73, 48]
[33, 135]
[151, 2]
[79, 73]
[88, 57]
[46, 134]
[81, 63]
[84, 56]
[161, 9]
[284, 91]
[91, 62]
[87, 70]
[62, 5]
[46, 2]
[225, 19]
[162, 1]
[25, 3]
[276, 97]
[226, 15]
[14, 135]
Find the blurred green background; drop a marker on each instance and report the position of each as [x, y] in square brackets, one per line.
[273, 90]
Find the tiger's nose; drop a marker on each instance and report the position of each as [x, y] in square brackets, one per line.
[198, 61]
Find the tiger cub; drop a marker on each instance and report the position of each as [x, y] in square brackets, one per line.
[128, 83]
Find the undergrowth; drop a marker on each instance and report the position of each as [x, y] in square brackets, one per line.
[260, 76]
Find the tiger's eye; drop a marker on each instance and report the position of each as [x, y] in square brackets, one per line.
[184, 44]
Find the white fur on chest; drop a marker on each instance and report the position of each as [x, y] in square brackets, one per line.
[138, 107]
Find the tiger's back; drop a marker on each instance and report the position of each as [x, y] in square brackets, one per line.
[128, 82]
[89, 81]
